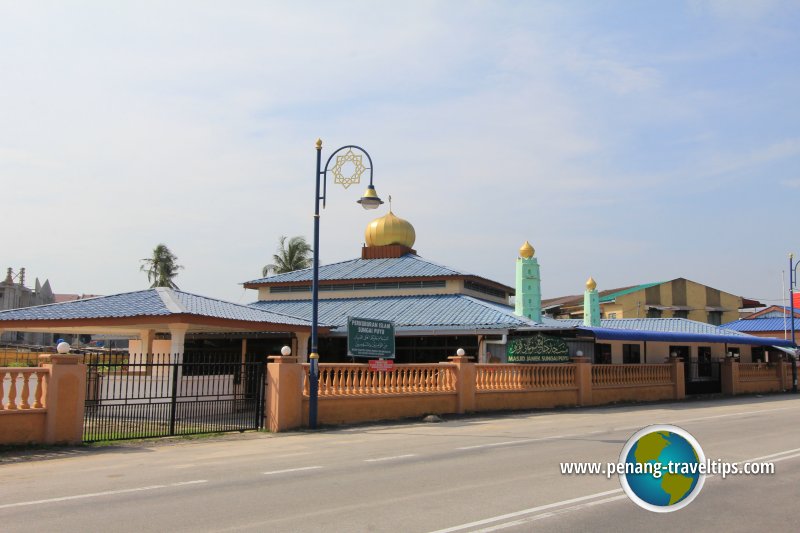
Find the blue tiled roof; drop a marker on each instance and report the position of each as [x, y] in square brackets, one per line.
[150, 302]
[669, 330]
[407, 266]
[763, 324]
[663, 325]
[428, 312]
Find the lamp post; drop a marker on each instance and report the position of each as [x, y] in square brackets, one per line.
[792, 280]
[369, 200]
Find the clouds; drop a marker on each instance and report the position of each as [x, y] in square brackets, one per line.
[574, 127]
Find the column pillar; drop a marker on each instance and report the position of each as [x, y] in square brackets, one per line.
[730, 376]
[583, 379]
[177, 334]
[465, 383]
[678, 378]
[284, 397]
[65, 398]
[302, 346]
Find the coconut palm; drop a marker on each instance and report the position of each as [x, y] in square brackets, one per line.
[291, 256]
[161, 268]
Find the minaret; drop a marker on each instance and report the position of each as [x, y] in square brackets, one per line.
[591, 304]
[528, 301]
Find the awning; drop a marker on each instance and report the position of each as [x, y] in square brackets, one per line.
[671, 336]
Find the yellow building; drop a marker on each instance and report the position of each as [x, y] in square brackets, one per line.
[679, 298]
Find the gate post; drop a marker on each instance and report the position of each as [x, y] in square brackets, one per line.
[284, 384]
[65, 398]
[730, 376]
[678, 378]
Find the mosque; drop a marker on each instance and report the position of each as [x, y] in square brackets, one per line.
[436, 310]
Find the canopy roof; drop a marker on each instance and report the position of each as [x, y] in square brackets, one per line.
[154, 309]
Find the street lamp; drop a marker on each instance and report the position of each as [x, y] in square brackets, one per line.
[792, 281]
[369, 200]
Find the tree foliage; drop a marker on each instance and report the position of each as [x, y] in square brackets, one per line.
[161, 268]
[291, 256]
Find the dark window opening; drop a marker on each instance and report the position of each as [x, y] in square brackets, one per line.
[631, 354]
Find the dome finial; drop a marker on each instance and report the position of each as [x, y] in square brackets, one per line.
[526, 250]
[390, 203]
[390, 229]
[591, 284]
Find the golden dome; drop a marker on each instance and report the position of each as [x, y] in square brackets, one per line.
[591, 284]
[390, 229]
[526, 250]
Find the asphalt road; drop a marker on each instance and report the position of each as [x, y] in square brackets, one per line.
[469, 474]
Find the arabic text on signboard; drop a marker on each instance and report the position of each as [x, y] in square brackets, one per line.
[537, 348]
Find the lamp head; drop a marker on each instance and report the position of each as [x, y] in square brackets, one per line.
[63, 347]
[285, 351]
[370, 200]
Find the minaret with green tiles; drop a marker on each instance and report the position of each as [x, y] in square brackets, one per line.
[591, 304]
[528, 300]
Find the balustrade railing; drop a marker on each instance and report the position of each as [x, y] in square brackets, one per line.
[758, 371]
[23, 388]
[342, 380]
[611, 375]
[500, 377]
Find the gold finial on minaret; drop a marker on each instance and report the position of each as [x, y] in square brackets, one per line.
[319, 144]
[526, 250]
[591, 284]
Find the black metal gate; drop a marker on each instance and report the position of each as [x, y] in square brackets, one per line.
[703, 377]
[138, 396]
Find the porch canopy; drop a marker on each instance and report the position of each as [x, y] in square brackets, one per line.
[723, 336]
[144, 313]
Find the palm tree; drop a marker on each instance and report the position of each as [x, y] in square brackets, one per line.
[290, 257]
[161, 267]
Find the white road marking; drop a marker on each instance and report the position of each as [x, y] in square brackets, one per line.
[549, 514]
[558, 507]
[516, 514]
[301, 469]
[709, 417]
[510, 442]
[98, 494]
[378, 459]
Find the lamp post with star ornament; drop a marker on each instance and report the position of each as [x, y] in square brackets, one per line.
[792, 283]
[352, 159]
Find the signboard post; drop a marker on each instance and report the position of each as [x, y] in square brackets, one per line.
[370, 338]
[537, 348]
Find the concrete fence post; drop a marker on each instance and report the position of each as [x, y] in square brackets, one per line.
[780, 371]
[465, 383]
[730, 376]
[284, 396]
[678, 379]
[583, 379]
[65, 398]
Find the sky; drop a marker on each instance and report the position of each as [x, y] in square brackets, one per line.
[628, 141]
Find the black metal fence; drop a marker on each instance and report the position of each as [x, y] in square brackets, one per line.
[702, 377]
[138, 396]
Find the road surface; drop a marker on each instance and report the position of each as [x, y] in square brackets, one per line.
[481, 473]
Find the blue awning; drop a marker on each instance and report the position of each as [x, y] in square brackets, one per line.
[671, 336]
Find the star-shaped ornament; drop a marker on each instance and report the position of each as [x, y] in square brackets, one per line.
[341, 161]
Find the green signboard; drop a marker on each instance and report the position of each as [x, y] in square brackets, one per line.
[370, 338]
[537, 348]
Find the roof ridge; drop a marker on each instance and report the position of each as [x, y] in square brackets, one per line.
[169, 300]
